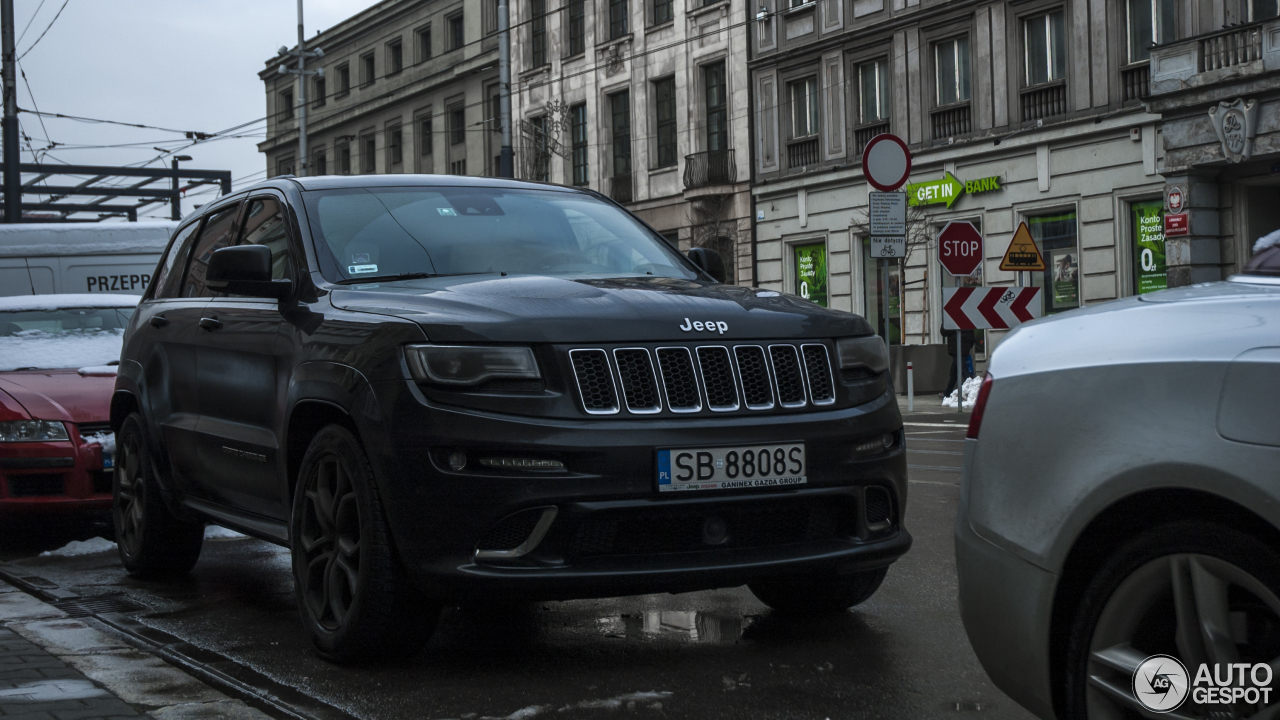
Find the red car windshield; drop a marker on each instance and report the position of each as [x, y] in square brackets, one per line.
[63, 338]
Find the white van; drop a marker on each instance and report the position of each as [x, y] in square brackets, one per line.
[45, 258]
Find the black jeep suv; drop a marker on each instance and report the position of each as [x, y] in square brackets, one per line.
[435, 389]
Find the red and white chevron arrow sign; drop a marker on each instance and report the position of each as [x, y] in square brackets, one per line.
[989, 308]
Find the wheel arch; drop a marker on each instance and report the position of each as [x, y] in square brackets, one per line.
[308, 417]
[1126, 518]
[123, 402]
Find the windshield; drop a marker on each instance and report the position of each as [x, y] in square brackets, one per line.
[66, 338]
[379, 232]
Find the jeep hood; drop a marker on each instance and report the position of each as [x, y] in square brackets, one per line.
[542, 309]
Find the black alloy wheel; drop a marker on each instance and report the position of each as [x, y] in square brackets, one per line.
[330, 542]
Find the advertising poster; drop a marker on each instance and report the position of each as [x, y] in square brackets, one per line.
[811, 272]
[1065, 266]
[1148, 247]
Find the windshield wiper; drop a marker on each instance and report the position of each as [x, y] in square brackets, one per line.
[390, 278]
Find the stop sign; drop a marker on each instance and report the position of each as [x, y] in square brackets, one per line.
[960, 247]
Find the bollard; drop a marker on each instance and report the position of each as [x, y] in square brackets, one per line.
[911, 389]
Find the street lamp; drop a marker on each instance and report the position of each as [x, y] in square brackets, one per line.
[175, 203]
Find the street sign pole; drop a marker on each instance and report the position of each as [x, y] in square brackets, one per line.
[959, 361]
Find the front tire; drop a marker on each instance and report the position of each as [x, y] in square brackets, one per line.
[818, 594]
[1196, 591]
[152, 542]
[353, 595]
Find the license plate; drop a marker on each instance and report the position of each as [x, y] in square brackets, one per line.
[107, 461]
[731, 468]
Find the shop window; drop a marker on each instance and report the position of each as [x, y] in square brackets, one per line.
[1058, 239]
[951, 66]
[880, 293]
[803, 95]
[810, 268]
[1150, 22]
[1148, 247]
[1044, 45]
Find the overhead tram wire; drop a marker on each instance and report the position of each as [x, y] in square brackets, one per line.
[46, 30]
[32, 19]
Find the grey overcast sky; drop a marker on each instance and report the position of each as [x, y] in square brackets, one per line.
[169, 63]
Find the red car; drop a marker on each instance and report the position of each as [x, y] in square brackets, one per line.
[58, 357]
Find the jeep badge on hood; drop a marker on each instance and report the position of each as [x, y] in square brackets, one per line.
[708, 325]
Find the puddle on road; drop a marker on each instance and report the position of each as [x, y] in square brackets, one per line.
[686, 625]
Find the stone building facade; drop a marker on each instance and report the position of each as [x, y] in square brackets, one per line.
[409, 86]
[645, 101]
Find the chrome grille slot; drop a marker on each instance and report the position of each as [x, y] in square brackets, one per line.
[817, 368]
[595, 381]
[679, 379]
[639, 383]
[717, 378]
[753, 370]
[786, 372]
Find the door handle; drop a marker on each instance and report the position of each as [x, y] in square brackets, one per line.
[158, 321]
[210, 323]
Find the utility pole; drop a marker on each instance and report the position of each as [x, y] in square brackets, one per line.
[12, 177]
[175, 203]
[506, 160]
[304, 160]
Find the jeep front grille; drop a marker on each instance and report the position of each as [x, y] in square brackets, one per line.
[697, 378]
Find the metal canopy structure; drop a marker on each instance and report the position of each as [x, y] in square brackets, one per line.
[70, 189]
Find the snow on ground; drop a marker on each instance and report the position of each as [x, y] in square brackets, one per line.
[70, 349]
[91, 546]
[970, 387]
[106, 440]
[214, 532]
[25, 303]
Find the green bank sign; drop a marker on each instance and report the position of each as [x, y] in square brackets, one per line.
[947, 189]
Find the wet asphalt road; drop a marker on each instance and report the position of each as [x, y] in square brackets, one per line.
[715, 654]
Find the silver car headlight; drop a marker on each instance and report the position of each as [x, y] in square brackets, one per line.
[32, 431]
[470, 364]
[863, 352]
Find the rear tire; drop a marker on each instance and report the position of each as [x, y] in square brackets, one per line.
[152, 542]
[353, 595]
[818, 594]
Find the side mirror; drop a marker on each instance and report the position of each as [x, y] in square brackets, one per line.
[709, 261]
[245, 270]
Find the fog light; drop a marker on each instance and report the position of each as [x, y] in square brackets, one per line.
[522, 463]
[874, 445]
[457, 461]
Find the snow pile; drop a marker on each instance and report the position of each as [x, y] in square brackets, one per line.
[98, 370]
[1271, 239]
[215, 532]
[59, 239]
[66, 301]
[106, 440]
[970, 387]
[70, 349]
[91, 546]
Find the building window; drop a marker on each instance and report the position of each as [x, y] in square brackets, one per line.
[425, 139]
[368, 154]
[617, 18]
[951, 62]
[284, 166]
[804, 107]
[1151, 22]
[457, 125]
[1263, 9]
[321, 96]
[395, 57]
[541, 149]
[395, 145]
[620, 126]
[578, 134]
[663, 11]
[1044, 41]
[367, 70]
[489, 8]
[286, 104]
[321, 163]
[344, 159]
[717, 107]
[538, 32]
[577, 27]
[344, 78]
[457, 37]
[664, 95]
[873, 92]
[1057, 238]
[423, 34]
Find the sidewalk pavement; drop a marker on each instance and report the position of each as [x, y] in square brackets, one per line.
[54, 667]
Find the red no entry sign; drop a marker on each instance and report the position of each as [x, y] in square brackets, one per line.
[960, 247]
[886, 162]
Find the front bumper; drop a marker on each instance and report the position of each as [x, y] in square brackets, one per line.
[64, 476]
[607, 500]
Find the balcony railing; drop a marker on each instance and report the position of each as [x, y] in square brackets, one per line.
[802, 153]
[620, 188]
[1230, 48]
[714, 167]
[1136, 81]
[863, 135]
[1044, 101]
[951, 121]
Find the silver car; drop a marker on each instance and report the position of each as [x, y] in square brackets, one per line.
[1117, 539]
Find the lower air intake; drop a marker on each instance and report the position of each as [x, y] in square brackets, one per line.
[879, 506]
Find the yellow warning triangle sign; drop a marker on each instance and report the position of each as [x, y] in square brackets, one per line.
[1022, 253]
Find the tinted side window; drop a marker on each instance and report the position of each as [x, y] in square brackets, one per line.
[264, 225]
[219, 231]
[169, 278]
